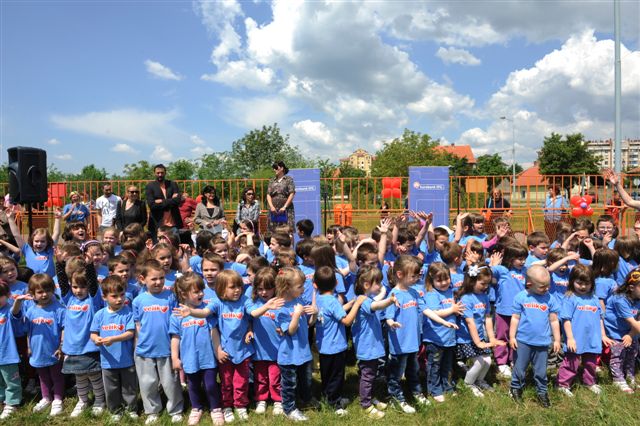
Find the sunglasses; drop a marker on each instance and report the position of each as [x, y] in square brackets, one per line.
[250, 193]
[134, 192]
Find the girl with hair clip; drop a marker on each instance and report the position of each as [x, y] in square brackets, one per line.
[584, 334]
[621, 325]
[510, 275]
[475, 336]
[192, 350]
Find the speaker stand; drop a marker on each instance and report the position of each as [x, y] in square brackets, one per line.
[30, 218]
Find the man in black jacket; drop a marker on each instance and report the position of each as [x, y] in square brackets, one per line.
[163, 198]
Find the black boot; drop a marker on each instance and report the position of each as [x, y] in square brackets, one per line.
[543, 399]
[516, 394]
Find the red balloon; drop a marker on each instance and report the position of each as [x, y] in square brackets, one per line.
[575, 200]
[588, 211]
[386, 193]
[387, 183]
[396, 183]
[588, 199]
[396, 193]
[577, 212]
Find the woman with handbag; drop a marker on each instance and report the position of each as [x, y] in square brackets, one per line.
[280, 193]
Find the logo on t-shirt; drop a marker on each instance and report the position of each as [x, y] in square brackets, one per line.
[480, 306]
[233, 315]
[543, 307]
[194, 323]
[562, 283]
[410, 304]
[156, 308]
[447, 301]
[42, 258]
[517, 276]
[79, 308]
[113, 327]
[42, 320]
[3, 320]
[270, 315]
[587, 308]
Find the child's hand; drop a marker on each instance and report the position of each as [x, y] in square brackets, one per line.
[513, 343]
[574, 255]
[275, 303]
[607, 342]
[222, 355]
[394, 325]
[22, 297]
[310, 309]
[176, 364]
[502, 230]
[484, 345]
[557, 346]
[571, 345]
[496, 259]
[248, 337]
[588, 242]
[461, 217]
[58, 354]
[451, 325]
[107, 341]
[361, 299]
[611, 176]
[458, 308]
[183, 311]
[627, 340]
[496, 342]
[298, 309]
[385, 224]
[186, 250]
[57, 213]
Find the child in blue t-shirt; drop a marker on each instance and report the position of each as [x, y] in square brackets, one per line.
[166, 256]
[203, 239]
[220, 247]
[469, 226]
[121, 266]
[79, 291]
[474, 336]
[439, 329]
[538, 243]
[94, 253]
[266, 341]
[558, 265]
[112, 331]
[331, 336]
[509, 273]
[44, 321]
[38, 250]
[367, 336]
[621, 325]
[604, 267]
[533, 321]
[10, 386]
[152, 314]
[192, 349]
[211, 266]
[294, 353]
[581, 318]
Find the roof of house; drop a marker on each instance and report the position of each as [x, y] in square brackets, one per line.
[460, 151]
[531, 177]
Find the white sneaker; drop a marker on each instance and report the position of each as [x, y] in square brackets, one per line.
[462, 366]
[439, 398]
[623, 386]
[41, 405]
[475, 391]
[56, 408]
[7, 412]
[176, 418]
[228, 415]
[632, 382]
[242, 414]
[115, 418]
[406, 408]
[151, 419]
[97, 411]
[133, 415]
[297, 416]
[261, 407]
[565, 391]
[277, 409]
[595, 389]
[374, 413]
[504, 371]
[78, 409]
[341, 412]
[379, 404]
[421, 399]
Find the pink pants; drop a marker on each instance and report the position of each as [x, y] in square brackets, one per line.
[267, 380]
[234, 380]
[569, 369]
[503, 354]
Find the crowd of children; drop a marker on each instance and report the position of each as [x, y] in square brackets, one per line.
[236, 322]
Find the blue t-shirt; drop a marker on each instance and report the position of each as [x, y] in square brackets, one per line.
[170, 279]
[233, 324]
[16, 289]
[534, 327]
[210, 295]
[433, 332]
[509, 283]
[238, 267]
[108, 324]
[457, 279]
[559, 283]
[153, 312]
[307, 294]
[266, 338]
[605, 286]
[77, 324]
[405, 340]
[531, 259]
[463, 241]
[623, 269]
[8, 347]
[81, 213]
[331, 335]
[195, 262]
[367, 333]
[619, 308]
[102, 272]
[585, 315]
[196, 346]
[294, 348]
[41, 262]
[476, 307]
[44, 327]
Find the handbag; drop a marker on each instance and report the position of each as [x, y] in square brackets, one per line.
[278, 217]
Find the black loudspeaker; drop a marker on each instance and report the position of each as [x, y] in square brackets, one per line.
[27, 174]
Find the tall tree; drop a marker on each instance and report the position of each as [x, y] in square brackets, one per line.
[142, 170]
[181, 170]
[566, 156]
[491, 165]
[90, 173]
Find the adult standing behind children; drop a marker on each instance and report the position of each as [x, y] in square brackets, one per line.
[106, 207]
[248, 209]
[555, 206]
[163, 198]
[75, 211]
[280, 193]
[131, 210]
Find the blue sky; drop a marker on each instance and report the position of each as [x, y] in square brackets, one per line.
[111, 83]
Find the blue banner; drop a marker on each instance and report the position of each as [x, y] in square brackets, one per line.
[307, 199]
[429, 191]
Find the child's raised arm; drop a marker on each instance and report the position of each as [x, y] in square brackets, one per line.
[11, 214]
[379, 305]
[298, 310]
[351, 316]
[554, 266]
[427, 218]
[272, 304]
[382, 245]
[459, 231]
[17, 303]
[184, 311]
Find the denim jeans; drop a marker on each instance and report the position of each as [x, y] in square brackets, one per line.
[290, 376]
[407, 365]
[439, 367]
[537, 356]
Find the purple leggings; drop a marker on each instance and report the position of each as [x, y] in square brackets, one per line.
[51, 379]
[570, 365]
[212, 391]
[503, 354]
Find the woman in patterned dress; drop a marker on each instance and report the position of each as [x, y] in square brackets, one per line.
[280, 195]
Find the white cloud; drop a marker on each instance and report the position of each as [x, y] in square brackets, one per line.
[124, 148]
[160, 71]
[241, 74]
[63, 157]
[129, 125]
[200, 147]
[53, 141]
[452, 55]
[160, 153]
[197, 140]
[256, 112]
[316, 131]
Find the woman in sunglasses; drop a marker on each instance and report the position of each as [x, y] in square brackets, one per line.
[131, 210]
[248, 209]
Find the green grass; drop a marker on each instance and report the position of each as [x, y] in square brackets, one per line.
[496, 408]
